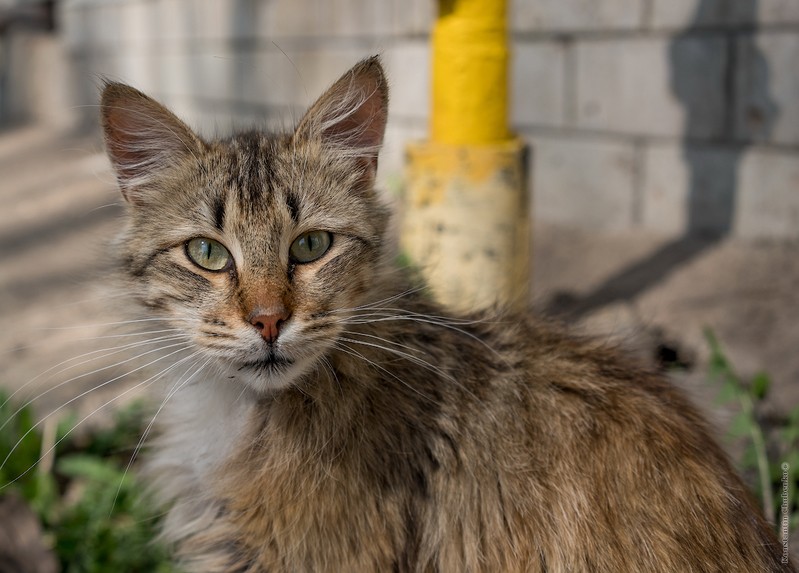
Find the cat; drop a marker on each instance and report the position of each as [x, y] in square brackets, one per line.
[342, 420]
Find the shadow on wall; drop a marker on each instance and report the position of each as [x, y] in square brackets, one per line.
[713, 170]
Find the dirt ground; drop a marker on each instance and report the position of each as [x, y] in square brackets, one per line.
[60, 210]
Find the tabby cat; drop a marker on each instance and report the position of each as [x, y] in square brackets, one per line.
[344, 421]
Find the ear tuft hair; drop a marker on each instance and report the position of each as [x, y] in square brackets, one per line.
[351, 115]
[142, 137]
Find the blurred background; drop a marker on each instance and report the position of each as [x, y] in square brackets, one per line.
[664, 138]
[663, 172]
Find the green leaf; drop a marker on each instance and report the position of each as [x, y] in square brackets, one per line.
[90, 468]
[749, 458]
[790, 435]
[729, 392]
[741, 425]
[760, 386]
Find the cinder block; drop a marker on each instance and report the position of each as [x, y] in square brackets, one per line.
[399, 132]
[653, 86]
[768, 201]
[575, 15]
[768, 91]
[136, 30]
[295, 19]
[267, 77]
[280, 19]
[538, 84]
[103, 26]
[292, 78]
[689, 188]
[175, 77]
[586, 182]
[681, 14]
[320, 66]
[74, 26]
[678, 14]
[173, 22]
[412, 16]
[211, 75]
[355, 18]
[408, 67]
[766, 11]
[138, 70]
[214, 20]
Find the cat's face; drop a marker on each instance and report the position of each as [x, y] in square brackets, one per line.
[254, 247]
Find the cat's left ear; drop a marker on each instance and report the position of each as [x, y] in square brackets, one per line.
[350, 117]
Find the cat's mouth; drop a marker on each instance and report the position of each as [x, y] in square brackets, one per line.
[270, 362]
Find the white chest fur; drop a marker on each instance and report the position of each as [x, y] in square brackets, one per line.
[201, 425]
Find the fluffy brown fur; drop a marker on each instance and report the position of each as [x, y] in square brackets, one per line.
[378, 432]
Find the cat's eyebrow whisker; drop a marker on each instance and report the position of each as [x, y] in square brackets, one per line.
[109, 352]
[148, 381]
[184, 346]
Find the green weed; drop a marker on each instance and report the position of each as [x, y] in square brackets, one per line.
[770, 448]
[93, 511]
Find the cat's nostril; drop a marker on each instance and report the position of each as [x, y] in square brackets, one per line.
[269, 324]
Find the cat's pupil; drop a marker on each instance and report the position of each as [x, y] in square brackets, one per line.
[207, 253]
[310, 246]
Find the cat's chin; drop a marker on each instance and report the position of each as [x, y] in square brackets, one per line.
[272, 372]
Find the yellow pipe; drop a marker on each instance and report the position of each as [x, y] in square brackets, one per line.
[466, 218]
[470, 73]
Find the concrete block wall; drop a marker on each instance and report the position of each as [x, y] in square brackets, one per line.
[679, 116]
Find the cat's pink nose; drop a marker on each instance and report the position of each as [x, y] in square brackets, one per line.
[269, 324]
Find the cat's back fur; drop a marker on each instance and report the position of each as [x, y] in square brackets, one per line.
[377, 431]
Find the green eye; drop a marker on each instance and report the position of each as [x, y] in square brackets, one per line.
[208, 254]
[310, 246]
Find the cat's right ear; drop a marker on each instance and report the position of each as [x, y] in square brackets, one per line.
[143, 138]
[351, 115]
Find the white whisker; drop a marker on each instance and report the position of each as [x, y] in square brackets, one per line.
[420, 319]
[118, 323]
[149, 380]
[356, 354]
[62, 406]
[95, 371]
[109, 352]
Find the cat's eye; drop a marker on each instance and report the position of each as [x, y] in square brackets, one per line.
[310, 246]
[208, 254]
